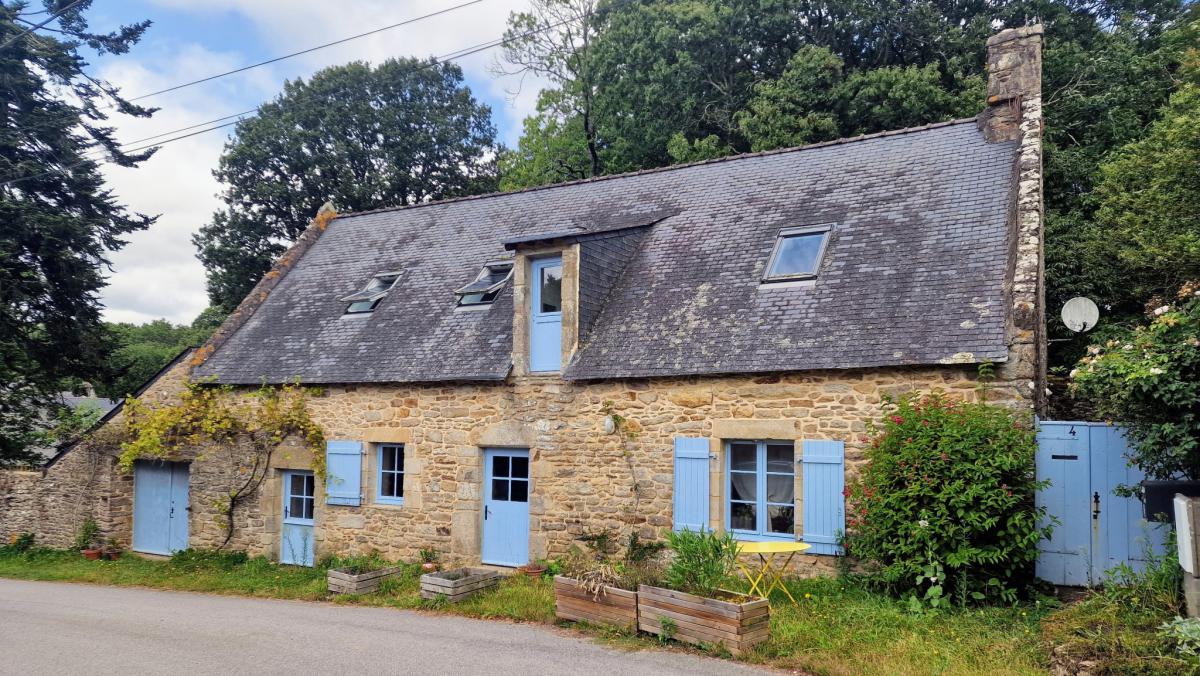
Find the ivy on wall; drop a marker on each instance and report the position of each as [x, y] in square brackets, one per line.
[249, 427]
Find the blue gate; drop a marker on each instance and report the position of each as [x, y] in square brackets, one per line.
[1096, 529]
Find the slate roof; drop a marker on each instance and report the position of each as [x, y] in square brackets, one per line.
[914, 273]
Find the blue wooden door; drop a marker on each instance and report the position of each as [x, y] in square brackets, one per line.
[160, 507]
[299, 501]
[545, 330]
[1096, 529]
[506, 491]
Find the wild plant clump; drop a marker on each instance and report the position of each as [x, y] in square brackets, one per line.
[599, 567]
[944, 508]
[703, 562]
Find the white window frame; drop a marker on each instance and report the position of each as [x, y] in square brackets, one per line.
[380, 498]
[371, 295]
[762, 531]
[786, 233]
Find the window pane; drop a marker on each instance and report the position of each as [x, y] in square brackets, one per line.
[500, 489]
[798, 254]
[781, 458]
[520, 468]
[389, 458]
[296, 508]
[743, 516]
[743, 486]
[308, 485]
[308, 508]
[781, 519]
[297, 485]
[520, 491]
[743, 457]
[387, 487]
[551, 297]
[500, 465]
[781, 488]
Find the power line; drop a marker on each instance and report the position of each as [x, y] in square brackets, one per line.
[31, 29]
[450, 56]
[306, 51]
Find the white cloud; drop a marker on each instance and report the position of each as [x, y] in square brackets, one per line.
[157, 274]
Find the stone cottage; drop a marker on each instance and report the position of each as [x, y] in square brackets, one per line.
[698, 345]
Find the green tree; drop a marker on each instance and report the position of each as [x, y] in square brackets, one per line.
[142, 350]
[553, 148]
[363, 137]
[58, 222]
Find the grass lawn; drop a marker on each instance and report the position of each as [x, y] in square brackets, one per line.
[839, 628]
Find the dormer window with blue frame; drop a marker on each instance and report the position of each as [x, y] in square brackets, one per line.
[362, 302]
[798, 253]
[487, 284]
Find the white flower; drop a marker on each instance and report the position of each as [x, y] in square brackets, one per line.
[1074, 372]
[923, 523]
[1126, 346]
[1095, 349]
[1158, 312]
[1155, 371]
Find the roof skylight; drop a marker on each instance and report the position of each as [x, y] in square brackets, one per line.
[797, 254]
[371, 295]
[487, 285]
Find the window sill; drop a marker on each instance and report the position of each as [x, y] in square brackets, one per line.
[768, 284]
[388, 502]
[755, 537]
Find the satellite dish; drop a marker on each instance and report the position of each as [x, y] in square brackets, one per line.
[1080, 314]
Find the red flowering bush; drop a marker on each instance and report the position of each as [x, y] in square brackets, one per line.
[944, 506]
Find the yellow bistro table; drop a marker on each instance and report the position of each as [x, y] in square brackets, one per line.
[769, 576]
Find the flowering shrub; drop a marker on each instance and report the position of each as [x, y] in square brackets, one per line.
[944, 507]
[1148, 379]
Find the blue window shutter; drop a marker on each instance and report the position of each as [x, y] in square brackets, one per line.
[343, 469]
[691, 484]
[824, 479]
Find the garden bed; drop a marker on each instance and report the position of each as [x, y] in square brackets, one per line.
[346, 581]
[736, 625]
[458, 584]
[612, 606]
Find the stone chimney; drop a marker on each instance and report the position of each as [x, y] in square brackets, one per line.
[1014, 114]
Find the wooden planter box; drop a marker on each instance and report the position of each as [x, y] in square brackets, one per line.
[737, 626]
[342, 582]
[616, 607]
[457, 584]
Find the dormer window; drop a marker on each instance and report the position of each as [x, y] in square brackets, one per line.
[487, 285]
[369, 298]
[797, 254]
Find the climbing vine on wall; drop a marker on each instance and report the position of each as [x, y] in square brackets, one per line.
[628, 431]
[212, 419]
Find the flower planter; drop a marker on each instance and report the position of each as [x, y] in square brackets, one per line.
[737, 625]
[457, 584]
[1158, 497]
[343, 582]
[91, 554]
[613, 606]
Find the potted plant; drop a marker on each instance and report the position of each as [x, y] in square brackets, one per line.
[87, 539]
[534, 570]
[692, 606]
[597, 589]
[359, 575]
[1145, 379]
[113, 550]
[429, 560]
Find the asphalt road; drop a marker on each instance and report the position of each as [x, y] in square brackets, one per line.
[58, 628]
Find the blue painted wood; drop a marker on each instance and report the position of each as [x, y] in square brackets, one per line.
[299, 504]
[1096, 529]
[690, 508]
[160, 502]
[343, 468]
[506, 490]
[823, 499]
[545, 328]
[1064, 458]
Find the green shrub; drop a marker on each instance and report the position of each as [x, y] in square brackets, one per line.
[88, 534]
[21, 543]
[1148, 378]
[703, 562]
[944, 508]
[197, 559]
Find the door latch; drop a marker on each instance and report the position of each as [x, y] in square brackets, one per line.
[1095, 505]
[486, 512]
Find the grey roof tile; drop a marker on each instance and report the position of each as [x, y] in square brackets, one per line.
[914, 273]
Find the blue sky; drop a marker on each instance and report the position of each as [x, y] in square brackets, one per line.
[157, 274]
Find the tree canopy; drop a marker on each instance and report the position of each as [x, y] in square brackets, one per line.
[360, 136]
[58, 221]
